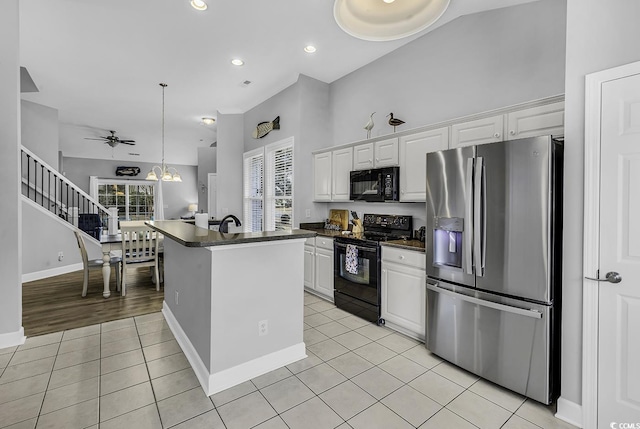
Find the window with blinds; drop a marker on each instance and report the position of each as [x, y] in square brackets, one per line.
[268, 187]
[253, 169]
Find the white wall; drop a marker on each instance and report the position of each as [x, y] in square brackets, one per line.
[230, 150]
[10, 227]
[600, 35]
[475, 63]
[176, 196]
[43, 236]
[40, 131]
[304, 115]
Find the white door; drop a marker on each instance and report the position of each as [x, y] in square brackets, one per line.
[212, 178]
[309, 255]
[619, 303]
[480, 131]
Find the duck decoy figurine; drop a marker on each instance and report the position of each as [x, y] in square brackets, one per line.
[369, 125]
[394, 122]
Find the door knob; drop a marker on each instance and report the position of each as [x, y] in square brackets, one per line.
[611, 277]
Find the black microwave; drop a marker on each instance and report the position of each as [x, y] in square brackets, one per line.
[379, 184]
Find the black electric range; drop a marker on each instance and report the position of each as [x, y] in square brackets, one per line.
[357, 264]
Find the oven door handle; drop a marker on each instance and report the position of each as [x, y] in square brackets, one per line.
[364, 249]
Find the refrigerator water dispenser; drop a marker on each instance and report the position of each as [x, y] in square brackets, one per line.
[447, 242]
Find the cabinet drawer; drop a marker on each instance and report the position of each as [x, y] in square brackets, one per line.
[406, 257]
[311, 241]
[324, 243]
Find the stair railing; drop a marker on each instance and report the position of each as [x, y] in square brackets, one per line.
[48, 188]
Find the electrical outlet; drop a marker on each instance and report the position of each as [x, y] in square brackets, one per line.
[177, 298]
[60, 256]
[307, 212]
[263, 328]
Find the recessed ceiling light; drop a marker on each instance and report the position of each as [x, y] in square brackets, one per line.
[208, 121]
[309, 49]
[388, 1]
[237, 62]
[199, 4]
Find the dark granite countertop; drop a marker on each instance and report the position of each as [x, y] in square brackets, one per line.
[192, 236]
[211, 221]
[416, 245]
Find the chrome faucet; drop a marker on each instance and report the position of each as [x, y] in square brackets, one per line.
[223, 223]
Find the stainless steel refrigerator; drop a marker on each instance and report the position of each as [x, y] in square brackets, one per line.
[494, 232]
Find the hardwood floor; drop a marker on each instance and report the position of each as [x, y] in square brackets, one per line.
[55, 304]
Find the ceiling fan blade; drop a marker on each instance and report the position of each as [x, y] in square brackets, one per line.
[87, 138]
[127, 141]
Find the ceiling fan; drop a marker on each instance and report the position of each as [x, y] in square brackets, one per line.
[113, 140]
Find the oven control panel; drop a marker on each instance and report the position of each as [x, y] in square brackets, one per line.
[398, 222]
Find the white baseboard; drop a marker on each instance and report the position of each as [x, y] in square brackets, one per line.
[29, 277]
[214, 383]
[569, 411]
[246, 371]
[11, 339]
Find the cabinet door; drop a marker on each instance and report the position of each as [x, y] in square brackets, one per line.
[413, 161]
[403, 300]
[309, 260]
[480, 131]
[342, 163]
[386, 153]
[322, 176]
[363, 156]
[536, 121]
[324, 272]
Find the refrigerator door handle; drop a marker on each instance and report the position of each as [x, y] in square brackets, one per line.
[468, 216]
[477, 217]
[490, 304]
[484, 217]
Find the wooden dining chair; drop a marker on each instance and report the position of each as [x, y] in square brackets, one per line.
[139, 248]
[94, 263]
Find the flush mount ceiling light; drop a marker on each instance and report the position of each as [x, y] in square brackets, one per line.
[382, 20]
[208, 121]
[309, 49]
[199, 4]
[237, 62]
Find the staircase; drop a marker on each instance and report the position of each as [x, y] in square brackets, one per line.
[46, 187]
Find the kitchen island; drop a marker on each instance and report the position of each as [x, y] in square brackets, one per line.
[234, 301]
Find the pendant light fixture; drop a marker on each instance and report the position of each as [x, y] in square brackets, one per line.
[166, 173]
[382, 20]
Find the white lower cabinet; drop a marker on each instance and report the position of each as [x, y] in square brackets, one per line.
[309, 265]
[324, 272]
[403, 300]
[318, 267]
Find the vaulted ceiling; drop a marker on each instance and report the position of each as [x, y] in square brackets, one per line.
[100, 62]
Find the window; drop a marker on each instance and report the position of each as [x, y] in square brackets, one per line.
[133, 199]
[252, 178]
[268, 187]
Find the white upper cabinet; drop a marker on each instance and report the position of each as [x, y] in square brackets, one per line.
[413, 161]
[363, 156]
[536, 121]
[386, 153]
[341, 166]
[480, 131]
[322, 176]
[382, 153]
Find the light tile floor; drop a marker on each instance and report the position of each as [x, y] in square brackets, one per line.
[131, 373]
